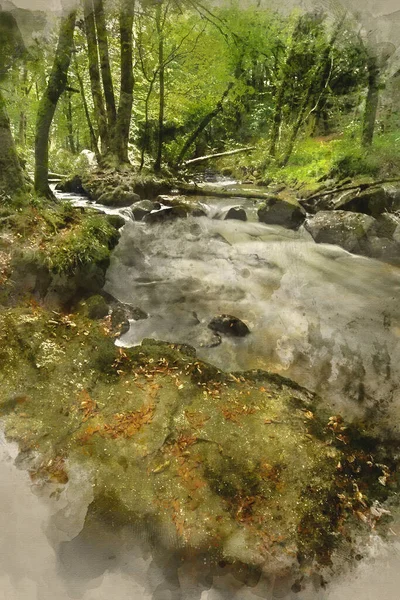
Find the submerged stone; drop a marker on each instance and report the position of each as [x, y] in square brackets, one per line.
[229, 325]
[236, 212]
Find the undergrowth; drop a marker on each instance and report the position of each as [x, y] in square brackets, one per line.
[318, 159]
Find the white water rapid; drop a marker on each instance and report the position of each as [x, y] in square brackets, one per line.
[325, 318]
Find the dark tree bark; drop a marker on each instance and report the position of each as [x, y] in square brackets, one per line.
[122, 128]
[48, 103]
[94, 74]
[372, 101]
[11, 176]
[102, 40]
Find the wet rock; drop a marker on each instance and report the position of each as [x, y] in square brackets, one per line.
[198, 212]
[346, 229]
[72, 186]
[171, 199]
[143, 208]
[121, 315]
[116, 221]
[167, 214]
[275, 211]
[236, 212]
[382, 248]
[95, 307]
[388, 226]
[118, 197]
[229, 325]
[372, 202]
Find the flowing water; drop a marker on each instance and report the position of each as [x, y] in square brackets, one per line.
[328, 319]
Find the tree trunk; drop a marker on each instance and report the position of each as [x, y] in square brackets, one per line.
[146, 133]
[102, 40]
[161, 79]
[22, 114]
[296, 129]
[372, 101]
[70, 124]
[121, 135]
[55, 87]
[94, 74]
[11, 176]
[202, 125]
[93, 137]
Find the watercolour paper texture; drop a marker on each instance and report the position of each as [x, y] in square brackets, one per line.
[199, 299]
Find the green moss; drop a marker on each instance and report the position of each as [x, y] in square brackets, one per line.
[242, 467]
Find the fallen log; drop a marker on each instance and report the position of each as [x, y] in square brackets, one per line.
[195, 161]
[207, 190]
[361, 187]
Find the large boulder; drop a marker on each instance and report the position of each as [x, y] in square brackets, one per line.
[275, 211]
[346, 229]
[388, 226]
[373, 201]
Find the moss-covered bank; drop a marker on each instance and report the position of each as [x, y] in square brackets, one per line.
[52, 251]
[244, 467]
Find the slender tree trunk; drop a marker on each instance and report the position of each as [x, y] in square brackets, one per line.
[70, 124]
[372, 101]
[146, 133]
[203, 124]
[94, 74]
[93, 137]
[102, 40]
[11, 176]
[121, 135]
[161, 79]
[296, 128]
[22, 114]
[48, 103]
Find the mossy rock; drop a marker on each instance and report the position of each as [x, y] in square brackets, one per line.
[244, 468]
[94, 307]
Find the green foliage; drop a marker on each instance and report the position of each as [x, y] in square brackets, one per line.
[88, 243]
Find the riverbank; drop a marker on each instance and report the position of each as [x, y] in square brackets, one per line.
[240, 467]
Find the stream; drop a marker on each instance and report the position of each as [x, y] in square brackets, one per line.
[328, 319]
[317, 314]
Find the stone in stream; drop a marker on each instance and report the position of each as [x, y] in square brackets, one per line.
[229, 325]
[346, 229]
[72, 186]
[276, 211]
[122, 313]
[167, 214]
[95, 307]
[118, 197]
[143, 208]
[236, 212]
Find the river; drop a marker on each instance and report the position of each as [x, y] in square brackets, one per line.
[328, 319]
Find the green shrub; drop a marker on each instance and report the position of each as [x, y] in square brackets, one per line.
[87, 243]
